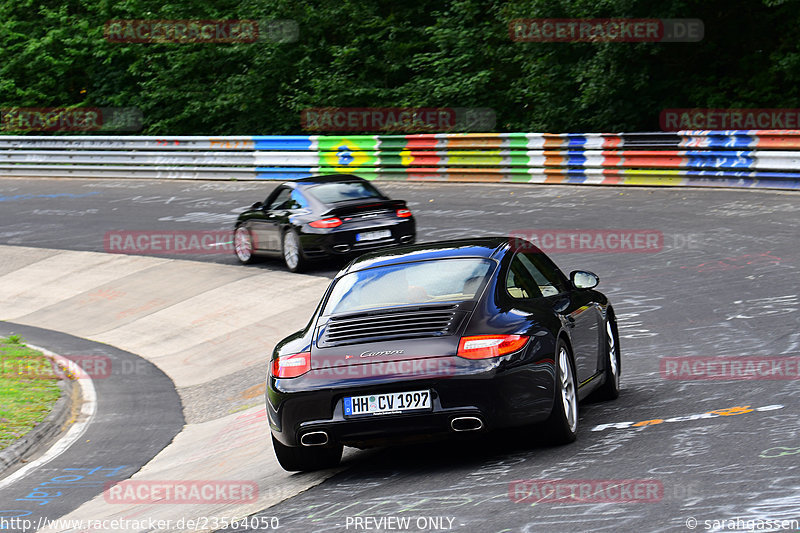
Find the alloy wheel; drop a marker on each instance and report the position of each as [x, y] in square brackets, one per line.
[291, 250]
[569, 399]
[242, 244]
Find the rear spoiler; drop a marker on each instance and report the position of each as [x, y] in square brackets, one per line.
[359, 206]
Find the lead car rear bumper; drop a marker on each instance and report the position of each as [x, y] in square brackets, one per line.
[484, 390]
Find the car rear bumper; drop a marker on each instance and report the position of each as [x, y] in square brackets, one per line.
[495, 396]
[344, 241]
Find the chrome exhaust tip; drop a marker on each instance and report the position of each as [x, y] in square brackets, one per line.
[341, 247]
[314, 438]
[466, 423]
[406, 238]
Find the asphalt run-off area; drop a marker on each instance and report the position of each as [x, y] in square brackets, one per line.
[701, 280]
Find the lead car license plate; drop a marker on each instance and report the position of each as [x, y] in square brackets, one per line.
[373, 235]
[383, 404]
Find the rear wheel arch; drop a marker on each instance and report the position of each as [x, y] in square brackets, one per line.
[248, 255]
[612, 317]
[564, 337]
[301, 261]
[612, 359]
[562, 424]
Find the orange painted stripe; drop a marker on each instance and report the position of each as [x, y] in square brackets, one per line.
[552, 140]
[554, 160]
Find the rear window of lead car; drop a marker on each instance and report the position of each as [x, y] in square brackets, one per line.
[421, 282]
[332, 193]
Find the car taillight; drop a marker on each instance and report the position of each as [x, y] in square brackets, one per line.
[291, 366]
[403, 213]
[487, 346]
[326, 223]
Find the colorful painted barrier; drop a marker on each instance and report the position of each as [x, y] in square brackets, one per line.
[752, 158]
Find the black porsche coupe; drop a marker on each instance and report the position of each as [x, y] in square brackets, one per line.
[322, 216]
[437, 338]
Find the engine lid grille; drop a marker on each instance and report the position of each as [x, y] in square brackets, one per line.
[429, 321]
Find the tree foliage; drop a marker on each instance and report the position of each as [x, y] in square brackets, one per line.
[381, 53]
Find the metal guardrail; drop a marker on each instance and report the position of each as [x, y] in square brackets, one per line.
[751, 158]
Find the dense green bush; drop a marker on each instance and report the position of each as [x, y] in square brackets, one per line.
[368, 53]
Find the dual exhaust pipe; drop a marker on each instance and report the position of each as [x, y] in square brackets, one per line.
[314, 438]
[459, 424]
[466, 423]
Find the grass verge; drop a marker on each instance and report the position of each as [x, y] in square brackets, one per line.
[28, 388]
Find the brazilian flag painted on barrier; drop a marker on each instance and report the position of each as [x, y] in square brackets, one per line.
[348, 154]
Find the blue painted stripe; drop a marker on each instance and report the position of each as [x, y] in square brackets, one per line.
[576, 158]
[731, 141]
[743, 173]
[719, 153]
[696, 158]
[575, 175]
[575, 140]
[282, 142]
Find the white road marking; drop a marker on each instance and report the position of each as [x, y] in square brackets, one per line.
[88, 410]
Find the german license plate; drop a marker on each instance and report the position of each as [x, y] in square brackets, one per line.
[373, 235]
[383, 404]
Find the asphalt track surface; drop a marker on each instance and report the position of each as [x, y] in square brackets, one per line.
[723, 283]
[129, 428]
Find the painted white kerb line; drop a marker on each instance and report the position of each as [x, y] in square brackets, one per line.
[88, 409]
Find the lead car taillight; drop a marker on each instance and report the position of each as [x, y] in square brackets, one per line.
[291, 366]
[488, 346]
[326, 223]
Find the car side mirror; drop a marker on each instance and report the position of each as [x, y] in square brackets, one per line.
[583, 279]
[257, 205]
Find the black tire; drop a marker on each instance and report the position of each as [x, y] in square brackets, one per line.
[306, 458]
[243, 245]
[610, 388]
[561, 427]
[292, 251]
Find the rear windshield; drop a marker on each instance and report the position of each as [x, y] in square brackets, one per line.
[439, 280]
[331, 193]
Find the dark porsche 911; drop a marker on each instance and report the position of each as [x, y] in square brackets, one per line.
[454, 336]
[322, 216]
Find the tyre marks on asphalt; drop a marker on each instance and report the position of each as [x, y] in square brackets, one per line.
[719, 263]
[137, 416]
[199, 323]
